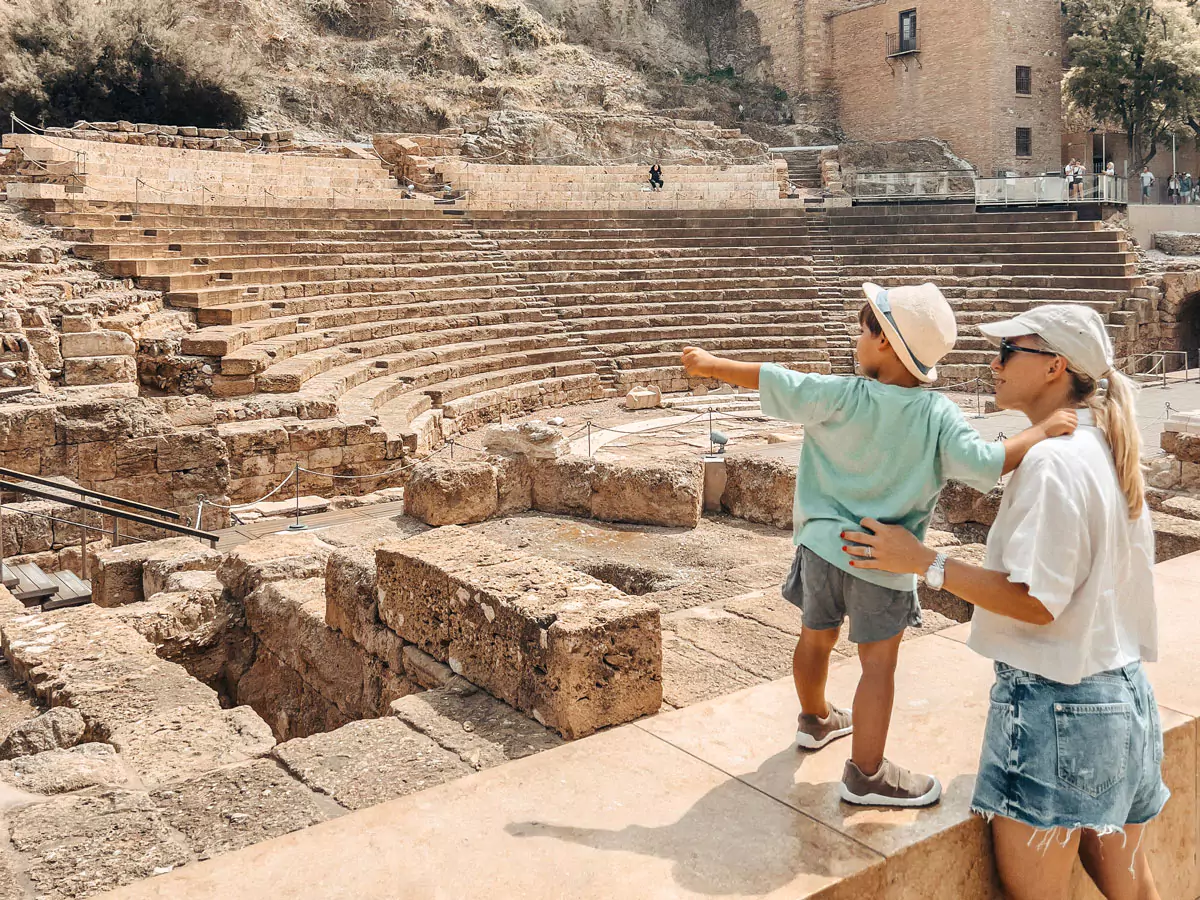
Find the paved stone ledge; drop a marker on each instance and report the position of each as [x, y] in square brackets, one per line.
[714, 801]
[571, 651]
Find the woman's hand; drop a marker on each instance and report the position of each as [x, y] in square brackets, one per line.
[890, 548]
[699, 363]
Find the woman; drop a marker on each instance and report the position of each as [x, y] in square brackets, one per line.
[656, 179]
[1072, 755]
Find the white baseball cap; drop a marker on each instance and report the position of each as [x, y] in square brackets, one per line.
[1072, 330]
[919, 324]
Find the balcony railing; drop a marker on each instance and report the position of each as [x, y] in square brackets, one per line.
[947, 184]
[1038, 190]
[899, 44]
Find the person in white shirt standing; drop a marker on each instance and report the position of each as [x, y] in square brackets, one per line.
[1072, 757]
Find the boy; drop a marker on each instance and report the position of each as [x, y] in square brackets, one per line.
[881, 447]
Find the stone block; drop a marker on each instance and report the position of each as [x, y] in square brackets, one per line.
[1174, 536]
[251, 437]
[759, 489]
[668, 491]
[961, 504]
[571, 651]
[78, 324]
[365, 763]
[157, 571]
[351, 607]
[272, 558]
[514, 484]
[223, 811]
[1182, 507]
[1181, 445]
[196, 449]
[532, 440]
[99, 370]
[446, 492]
[83, 844]
[563, 486]
[480, 729]
[117, 578]
[288, 617]
[59, 728]
[97, 343]
[61, 771]
[23, 427]
[643, 398]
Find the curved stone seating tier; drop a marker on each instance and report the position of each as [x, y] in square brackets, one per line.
[432, 323]
[615, 187]
[63, 167]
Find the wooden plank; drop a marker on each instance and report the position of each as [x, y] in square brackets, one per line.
[8, 577]
[71, 586]
[33, 585]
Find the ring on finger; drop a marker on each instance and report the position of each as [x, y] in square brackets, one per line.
[870, 554]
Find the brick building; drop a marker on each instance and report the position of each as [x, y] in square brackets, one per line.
[982, 75]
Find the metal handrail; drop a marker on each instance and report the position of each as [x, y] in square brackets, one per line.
[36, 479]
[107, 511]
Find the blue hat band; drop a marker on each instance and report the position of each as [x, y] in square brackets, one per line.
[881, 302]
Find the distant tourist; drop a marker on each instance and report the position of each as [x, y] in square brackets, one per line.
[1077, 172]
[1147, 178]
[1173, 188]
[1111, 169]
[879, 446]
[656, 179]
[1186, 187]
[1071, 764]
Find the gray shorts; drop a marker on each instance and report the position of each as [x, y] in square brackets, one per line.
[826, 595]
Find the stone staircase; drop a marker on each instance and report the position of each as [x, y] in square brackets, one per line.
[803, 167]
[835, 318]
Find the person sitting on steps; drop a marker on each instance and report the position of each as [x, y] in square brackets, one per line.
[656, 179]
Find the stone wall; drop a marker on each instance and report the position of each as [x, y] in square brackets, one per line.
[960, 87]
[180, 137]
[666, 492]
[1177, 243]
[569, 650]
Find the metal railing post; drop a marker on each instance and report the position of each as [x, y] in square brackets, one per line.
[296, 526]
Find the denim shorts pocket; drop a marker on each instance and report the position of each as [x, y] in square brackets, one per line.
[1093, 744]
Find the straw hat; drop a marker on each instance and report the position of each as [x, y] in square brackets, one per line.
[919, 324]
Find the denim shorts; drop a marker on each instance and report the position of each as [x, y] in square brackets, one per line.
[826, 595]
[1085, 755]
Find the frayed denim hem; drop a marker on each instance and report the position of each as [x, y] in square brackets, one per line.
[1045, 836]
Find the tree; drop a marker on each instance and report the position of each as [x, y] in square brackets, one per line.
[1135, 63]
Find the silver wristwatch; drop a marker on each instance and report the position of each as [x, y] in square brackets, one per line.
[935, 575]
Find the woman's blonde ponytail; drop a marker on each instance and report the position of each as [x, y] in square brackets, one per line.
[1116, 415]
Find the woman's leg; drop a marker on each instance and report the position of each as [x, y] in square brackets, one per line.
[1118, 864]
[1033, 864]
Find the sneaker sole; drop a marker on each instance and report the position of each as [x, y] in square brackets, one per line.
[929, 798]
[806, 741]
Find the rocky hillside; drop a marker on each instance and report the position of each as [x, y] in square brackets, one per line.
[347, 68]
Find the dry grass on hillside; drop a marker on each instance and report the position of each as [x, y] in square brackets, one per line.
[347, 68]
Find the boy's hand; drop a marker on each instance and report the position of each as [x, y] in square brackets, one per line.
[699, 363]
[1058, 423]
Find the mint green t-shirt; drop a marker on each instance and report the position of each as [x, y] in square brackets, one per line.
[872, 450]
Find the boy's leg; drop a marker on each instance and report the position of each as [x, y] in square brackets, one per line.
[873, 702]
[810, 668]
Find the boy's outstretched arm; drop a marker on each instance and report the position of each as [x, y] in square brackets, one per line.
[703, 364]
[1058, 423]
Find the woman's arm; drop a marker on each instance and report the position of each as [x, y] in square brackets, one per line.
[895, 549]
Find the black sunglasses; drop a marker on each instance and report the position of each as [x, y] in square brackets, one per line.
[1008, 348]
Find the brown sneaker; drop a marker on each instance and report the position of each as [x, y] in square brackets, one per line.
[813, 732]
[890, 786]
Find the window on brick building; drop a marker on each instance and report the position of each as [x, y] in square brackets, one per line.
[1024, 80]
[1024, 142]
[908, 31]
